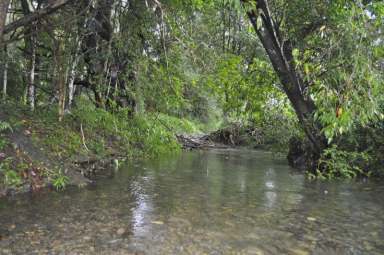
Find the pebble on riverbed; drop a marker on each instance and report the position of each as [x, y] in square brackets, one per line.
[120, 231]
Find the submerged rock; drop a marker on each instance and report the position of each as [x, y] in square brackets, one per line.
[121, 231]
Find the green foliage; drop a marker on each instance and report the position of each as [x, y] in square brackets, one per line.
[339, 60]
[143, 134]
[91, 130]
[278, 125]
[5, 126]
[59, 180]
[244, 89]
[338, 163]
[177, 125]
[61, 139]
[3, 142]
[11, 177]
[187, 66]
[152, 136]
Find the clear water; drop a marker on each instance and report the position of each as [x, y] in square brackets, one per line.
[201, 202]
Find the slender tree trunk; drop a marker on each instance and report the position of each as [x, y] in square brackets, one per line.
[71, 85]
[279, 50]
[72, 74]
[30, 47]
[31, 76]
[60, 78]
[4, 4]
[5, 74]
[229, 28]
[224, 24]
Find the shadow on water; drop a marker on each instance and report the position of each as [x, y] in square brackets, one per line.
[212, 202]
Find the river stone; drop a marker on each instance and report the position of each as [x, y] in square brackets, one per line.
[254, 251]
[157, 222]
[120, 231]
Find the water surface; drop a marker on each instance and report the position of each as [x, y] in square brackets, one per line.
[201, 202]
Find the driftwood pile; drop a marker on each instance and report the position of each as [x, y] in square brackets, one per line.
[198, 142]
[233, 135]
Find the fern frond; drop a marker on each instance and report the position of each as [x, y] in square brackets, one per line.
[5, 126]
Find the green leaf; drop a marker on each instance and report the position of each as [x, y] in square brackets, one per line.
[259, 22]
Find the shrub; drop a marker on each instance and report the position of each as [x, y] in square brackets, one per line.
[338, 163]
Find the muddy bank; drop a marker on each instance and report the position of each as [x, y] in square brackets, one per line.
[37, 164]
[28, 165]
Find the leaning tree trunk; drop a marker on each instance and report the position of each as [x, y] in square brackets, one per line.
[279, 51]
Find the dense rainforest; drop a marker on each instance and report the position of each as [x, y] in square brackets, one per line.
[93, 80]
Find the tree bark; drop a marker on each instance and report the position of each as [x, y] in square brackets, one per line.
[279, 51]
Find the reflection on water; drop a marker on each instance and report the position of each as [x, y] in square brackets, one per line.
[215, 202]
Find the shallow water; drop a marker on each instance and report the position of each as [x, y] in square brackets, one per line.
[201, 202]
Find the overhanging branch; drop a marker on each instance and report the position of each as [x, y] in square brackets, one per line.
[26, 20]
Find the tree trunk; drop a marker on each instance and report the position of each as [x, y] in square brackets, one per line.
[279, 51]
[31, 76]
[223, 24]
[4, 4]
[5, 74]
[60, 77]
[30, 54]
[72, 73]
[71, 84]
[96, 49]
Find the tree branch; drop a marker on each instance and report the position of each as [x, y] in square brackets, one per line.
[26, 20]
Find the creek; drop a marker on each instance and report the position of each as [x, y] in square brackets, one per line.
[199, 202]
